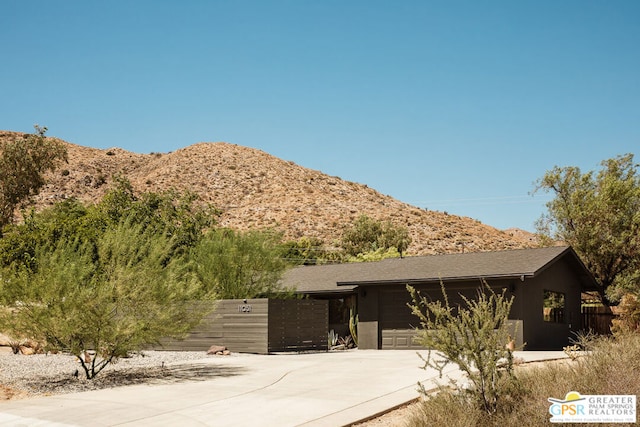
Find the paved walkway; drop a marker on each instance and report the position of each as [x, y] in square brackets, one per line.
[319, 389]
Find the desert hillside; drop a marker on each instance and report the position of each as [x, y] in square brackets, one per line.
[256, 190]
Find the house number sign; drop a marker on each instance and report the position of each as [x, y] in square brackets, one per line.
[245, 308]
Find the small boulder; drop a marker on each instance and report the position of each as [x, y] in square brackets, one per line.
[215, 349]
[27, 351]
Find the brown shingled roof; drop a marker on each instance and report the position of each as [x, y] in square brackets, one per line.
[487, 265]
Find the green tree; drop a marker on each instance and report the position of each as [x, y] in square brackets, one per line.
[75, 276]
[598, 214]
[370, 235]
[171, 213]
[235, 264]
[395, 236]
[168, 213]
[24, 160]
[19, 241]
[474, 337]
[114, 298]
[310, 251]
[304, 251]
[377, 255]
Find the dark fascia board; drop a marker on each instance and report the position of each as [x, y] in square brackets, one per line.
[437, 280]
[338, 291]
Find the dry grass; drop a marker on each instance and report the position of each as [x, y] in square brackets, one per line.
[612, 366]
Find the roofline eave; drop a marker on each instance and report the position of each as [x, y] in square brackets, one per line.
[335, 291]
[518, 276]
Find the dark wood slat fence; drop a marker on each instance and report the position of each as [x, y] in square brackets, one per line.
[260, 326]
[597, 319]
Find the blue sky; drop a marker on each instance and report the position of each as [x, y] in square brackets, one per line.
[456, 106]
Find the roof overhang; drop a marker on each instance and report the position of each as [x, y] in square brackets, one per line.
[346, 290]
[521, 277]
[518, 265]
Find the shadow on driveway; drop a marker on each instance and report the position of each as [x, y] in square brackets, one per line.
[171, 374]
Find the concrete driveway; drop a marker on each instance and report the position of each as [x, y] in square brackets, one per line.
[317, 389]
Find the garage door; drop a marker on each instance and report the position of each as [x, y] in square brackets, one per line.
[396, 322]
[399, 339]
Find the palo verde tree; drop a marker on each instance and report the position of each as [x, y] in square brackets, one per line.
[115, 296]
[233, 264]
[369, 235]
[598, 214]
[24, 160]
[110, 277]
[474, 336]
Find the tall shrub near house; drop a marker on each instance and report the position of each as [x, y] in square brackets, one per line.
[234, 264]
[474, 337]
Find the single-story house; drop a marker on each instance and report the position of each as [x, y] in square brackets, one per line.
[546, 282]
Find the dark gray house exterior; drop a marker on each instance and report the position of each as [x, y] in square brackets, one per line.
[546, 282]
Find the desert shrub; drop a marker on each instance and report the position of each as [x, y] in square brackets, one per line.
[629, 319]
[474, 337]
[445, 409]
[234, 264]
[368, 235]
[377, 255]
[610, 366]
[304, 251]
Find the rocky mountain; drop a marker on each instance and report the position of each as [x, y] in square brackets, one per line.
[254, 189]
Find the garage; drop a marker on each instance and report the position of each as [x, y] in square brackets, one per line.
[531, 276]
[396, 323]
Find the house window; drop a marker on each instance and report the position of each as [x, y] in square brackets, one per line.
[553, 307]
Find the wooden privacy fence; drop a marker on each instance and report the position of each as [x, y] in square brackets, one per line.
[597, 319]
[260, 326]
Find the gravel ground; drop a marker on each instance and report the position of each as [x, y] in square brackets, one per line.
[23, 376]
